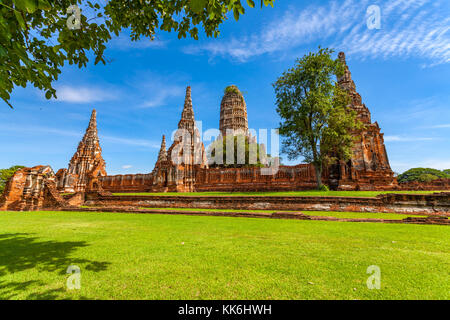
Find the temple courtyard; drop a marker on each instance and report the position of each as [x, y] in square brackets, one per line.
[168, 256]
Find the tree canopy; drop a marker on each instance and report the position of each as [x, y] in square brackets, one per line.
[245, 153]
[5, 174]
[38, 37]
[423, 175]
[316, 122]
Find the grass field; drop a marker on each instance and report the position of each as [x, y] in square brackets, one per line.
[142, 256]
[279, 194]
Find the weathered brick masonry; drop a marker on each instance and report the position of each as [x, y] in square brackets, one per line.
[430, 204]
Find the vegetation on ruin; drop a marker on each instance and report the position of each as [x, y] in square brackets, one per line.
[139, 256]
[36, 42]
[241, 144]
[316, 123]
[5, 174]
[423, 175]
[308, 193]
[233, 89]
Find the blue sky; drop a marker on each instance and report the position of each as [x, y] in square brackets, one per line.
[402, 72]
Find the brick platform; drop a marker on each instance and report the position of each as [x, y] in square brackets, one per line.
[430, 204]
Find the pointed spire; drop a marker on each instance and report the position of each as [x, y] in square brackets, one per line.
[187, 116]
[93, 121]
[91, 134]
[162, 152]
[346, 82]
[341, 57]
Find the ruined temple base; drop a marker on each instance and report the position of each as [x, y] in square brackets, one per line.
[420, 204]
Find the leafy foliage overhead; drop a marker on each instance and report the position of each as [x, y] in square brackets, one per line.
[36, 42]
[423, 175]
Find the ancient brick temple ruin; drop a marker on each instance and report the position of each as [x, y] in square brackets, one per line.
[31, 189]
[233, 113]
[176, 168]
[183, 167]
[369, 168]
[87, 162]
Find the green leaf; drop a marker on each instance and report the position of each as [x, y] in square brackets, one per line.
[26, 5]
[48, 95]
[236, 14]
[197, 5]
[20, 19]
[44, 5]
[250, 3]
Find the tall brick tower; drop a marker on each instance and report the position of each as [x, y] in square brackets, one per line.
[369, 166]
[86, 162]
[233, 112]
[175, 171]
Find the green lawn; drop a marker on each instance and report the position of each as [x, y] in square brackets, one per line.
[143, 256]
[278, 194]
[394, 216]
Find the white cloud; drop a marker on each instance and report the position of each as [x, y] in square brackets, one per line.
[404, 139]
[441, 164]
[131, 142]
[127, 166]
[25, 129]
[83, 94]
[440, 126]
[159, 95]
[78, 134]
[409, 29]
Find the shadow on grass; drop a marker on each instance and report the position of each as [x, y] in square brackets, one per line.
[22, 251]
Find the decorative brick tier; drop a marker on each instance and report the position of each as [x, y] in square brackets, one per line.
[432, 204]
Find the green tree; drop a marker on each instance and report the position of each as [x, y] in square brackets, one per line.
[316, 122]
[426, 177]
[5, 174]
[35, 39]
[422, 175]
[221, 146]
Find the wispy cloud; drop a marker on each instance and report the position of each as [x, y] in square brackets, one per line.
[54, 132]
[440, 126]
[160, 96]
[156, 90]
[83, 94]
[410, 28]
[127, 166]
[38, 130]
[130, 141]
[404, 139]
[441, 164]
[402, 166]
